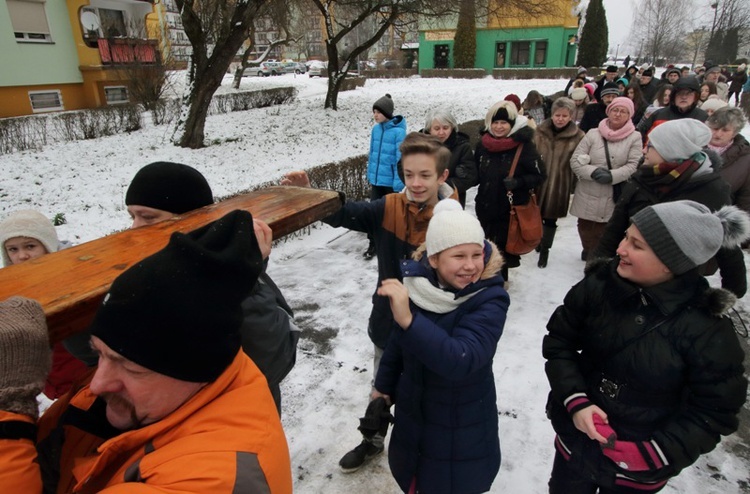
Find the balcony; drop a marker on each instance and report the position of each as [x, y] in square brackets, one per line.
[119, 51]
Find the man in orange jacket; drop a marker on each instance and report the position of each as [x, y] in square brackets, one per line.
[174, 404]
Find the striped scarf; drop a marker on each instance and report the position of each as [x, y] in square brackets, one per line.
[666, 176]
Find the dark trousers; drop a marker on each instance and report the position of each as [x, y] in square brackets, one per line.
[566, 479]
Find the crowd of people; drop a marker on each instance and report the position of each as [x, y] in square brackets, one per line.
[176, 384]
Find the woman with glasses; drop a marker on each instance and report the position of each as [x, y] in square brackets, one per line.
[606, 157]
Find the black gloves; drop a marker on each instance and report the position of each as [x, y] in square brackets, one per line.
[602, 176]
[511, 183]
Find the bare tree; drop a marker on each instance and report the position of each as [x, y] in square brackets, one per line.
[728, 29]
[216, 30]
[657, 24]
[342, 17]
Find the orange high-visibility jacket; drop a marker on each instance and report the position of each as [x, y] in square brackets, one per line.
[225, 439]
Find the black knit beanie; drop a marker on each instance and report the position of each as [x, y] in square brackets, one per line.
[385, 106]
[178, 311]
[502, 114]
[167, 186]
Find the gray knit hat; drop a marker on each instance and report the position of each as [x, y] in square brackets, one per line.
[385, 106]
[686, 234]
[28, 223]
[451, 226]
[678, 140]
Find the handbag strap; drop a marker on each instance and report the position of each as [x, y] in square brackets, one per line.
[515, 160]
[606, 153]
[512, 171]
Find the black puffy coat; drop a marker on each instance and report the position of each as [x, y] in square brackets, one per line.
[461, 170]
[671, 349]
[492, 206]
[710, 190]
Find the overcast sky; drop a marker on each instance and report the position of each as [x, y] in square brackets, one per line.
[619, 18]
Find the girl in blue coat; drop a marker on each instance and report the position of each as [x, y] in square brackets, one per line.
[438, 370]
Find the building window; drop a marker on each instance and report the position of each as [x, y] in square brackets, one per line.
[42, 101]
[29, 21]
[500, 54]
[540, 54]
[519, 52]
[116, 94]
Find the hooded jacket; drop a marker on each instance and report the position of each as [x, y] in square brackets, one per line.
[384, 155]
[672, 112]
[439, 374]
[671, 349]
[735, 169]
[227, 438]
[492, 206]
[398, 226]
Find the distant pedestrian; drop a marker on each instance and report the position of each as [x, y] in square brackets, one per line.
[382, 165]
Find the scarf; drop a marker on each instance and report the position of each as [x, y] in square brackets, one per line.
[615, 135]
[498, 144]
[665, 177]
[720, 150]
[431, 298]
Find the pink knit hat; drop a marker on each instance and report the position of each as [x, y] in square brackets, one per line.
[622, 102]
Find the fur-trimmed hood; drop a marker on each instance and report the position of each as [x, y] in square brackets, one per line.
[716, 301]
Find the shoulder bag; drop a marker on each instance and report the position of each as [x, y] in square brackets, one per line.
[525, 225]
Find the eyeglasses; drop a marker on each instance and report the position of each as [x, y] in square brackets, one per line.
[619, 111]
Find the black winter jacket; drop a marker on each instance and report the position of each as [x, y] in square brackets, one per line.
[461, 171]
[666, 114]
[492, 206]
[595, 113]
[710, 190]
[671, 349]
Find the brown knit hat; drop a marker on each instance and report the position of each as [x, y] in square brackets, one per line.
[26, 358]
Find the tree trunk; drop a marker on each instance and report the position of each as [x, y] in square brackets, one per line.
[205, 85]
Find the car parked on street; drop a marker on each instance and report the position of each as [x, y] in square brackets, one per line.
[294, 68]
[317, 68]
[266, 69]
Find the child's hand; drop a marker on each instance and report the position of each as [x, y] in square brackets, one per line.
[399, 298]
[585, 422]
[298, 179]
[377, 394]
[265, 237]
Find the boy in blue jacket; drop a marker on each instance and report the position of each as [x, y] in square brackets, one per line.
[382, 165]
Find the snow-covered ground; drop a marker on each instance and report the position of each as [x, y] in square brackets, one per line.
[324, 276]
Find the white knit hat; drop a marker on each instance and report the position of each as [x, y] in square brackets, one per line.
[686, 234]
[28, 223]
[451, 226]
[677, 140]
[713, 103]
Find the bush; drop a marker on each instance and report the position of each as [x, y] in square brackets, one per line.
[97, 122]
[351, 83]
[389, 73]
[167, 111]
[22, 133]
[455, 73]
[540, 73]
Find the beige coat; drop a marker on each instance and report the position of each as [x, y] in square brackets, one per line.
[593, 201]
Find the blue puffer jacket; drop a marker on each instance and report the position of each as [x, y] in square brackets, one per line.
[382, 167]
[439, 374]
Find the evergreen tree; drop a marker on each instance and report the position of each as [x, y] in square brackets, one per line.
[592, 50]
[465, 43]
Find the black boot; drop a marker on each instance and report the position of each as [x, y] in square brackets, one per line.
[504, 273]
[548, 236]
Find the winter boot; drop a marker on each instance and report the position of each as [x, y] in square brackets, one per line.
[548, 236]
[370, 252]
[504, 274]
[374, 427]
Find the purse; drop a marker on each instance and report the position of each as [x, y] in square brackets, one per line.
[525, 225]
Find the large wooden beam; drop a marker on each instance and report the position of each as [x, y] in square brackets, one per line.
[70, 284]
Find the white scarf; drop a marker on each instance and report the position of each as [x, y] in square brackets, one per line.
[428, 297]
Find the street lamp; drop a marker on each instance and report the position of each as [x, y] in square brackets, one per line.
[714, 6]
[617, 51]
